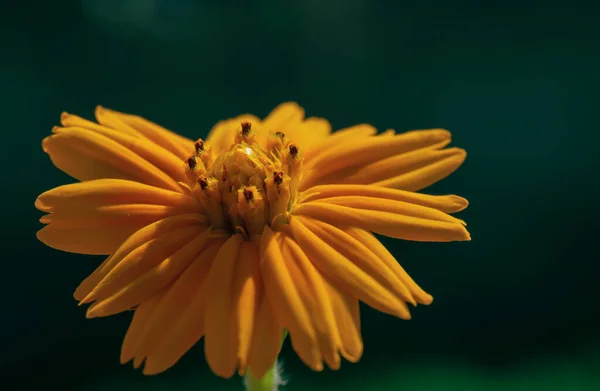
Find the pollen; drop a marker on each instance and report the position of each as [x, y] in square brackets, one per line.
[249, 185]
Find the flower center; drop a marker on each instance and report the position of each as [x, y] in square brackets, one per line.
[251, 184]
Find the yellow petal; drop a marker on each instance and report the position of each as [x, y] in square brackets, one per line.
[110, 192]
[369, 150]
[394, 166]
[150, 282]
[71, 120]
[266, 339]
[286, 115]
[352, 134]
[427, 175]
[176, 144]
[370, 241]
[361, 256]
[158, 156]
[354, 279]
[220, 349]
[86, 155]
[94, 241]
[390, 206]
[313, 294]
[246, 292]
[140, 237]
[384, 223]
[447, 203]
[285, 300]
[222, 135]
[141, 316]
[140, 260]
[178, 321]
[347, 318]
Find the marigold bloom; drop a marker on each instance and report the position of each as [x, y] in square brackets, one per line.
[263, 227]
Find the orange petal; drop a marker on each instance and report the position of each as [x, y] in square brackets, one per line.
[150, 282]
[141, 316]
[86, 155]
[246, 292]
[285, 116]
[266, 339]
[178, 321]
[347, 318]
[94, 241]
[140, 260]
[176, 144]
[313, 294]
[361, 256]
[352, 134]
[220, 349]
[222, 135]
[158, 156]
[426, 175]
[110, 192]
[354, 279]
[390, 206]
[447, 203]
[140, 237]
[370, 241]
[369, 150]
[385, 223]
[285, 300]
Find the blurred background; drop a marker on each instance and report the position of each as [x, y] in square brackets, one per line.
[515, 81]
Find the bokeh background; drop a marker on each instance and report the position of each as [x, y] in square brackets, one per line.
[515, 81]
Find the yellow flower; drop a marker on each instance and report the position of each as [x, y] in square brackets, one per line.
[263, 227]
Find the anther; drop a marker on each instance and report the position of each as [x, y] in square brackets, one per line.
[278, 177]
[199, 146]
[246, 128]
[191, 162]
[280, 135]
[203, 182]
[248, 194]
[293, 151]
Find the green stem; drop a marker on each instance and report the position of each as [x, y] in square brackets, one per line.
[270, 381]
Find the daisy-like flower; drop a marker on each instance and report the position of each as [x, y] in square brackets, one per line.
[265, 226]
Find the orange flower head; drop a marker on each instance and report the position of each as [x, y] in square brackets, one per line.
[265, 226]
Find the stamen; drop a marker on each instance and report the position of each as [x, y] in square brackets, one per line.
[251, 184]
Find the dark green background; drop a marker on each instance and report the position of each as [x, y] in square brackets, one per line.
[515, 81]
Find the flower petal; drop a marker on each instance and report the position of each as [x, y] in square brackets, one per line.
[447, 203]
[86, 155]
[368, 150]
[247, 286]
[314, 295]
[426, 175]
[346, 311]
[141, 316]
[346, 273]
[266, 339]
[220, 349]
[394, 166]
[285, 300]
[178, 321]
[110, 192]
[370, 241]
[137, 239]
[385, 223]
[222, 135]
[140, 288]
[176, 144]
[285, 116]
[390, 206]
[158, 156]
[361, 256]
[347, 135]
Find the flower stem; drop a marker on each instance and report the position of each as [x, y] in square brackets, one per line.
[270, 381]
